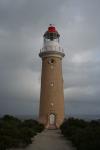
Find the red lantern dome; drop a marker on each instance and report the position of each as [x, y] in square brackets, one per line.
[51, 33]
[51, 29]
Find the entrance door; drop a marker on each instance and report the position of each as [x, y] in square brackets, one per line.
[52, 119]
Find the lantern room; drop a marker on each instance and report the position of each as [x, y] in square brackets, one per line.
[51, 40]
[51, 34]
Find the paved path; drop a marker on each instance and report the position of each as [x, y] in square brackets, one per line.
[49, 140]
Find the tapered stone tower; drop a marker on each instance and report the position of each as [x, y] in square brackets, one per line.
[51, 112]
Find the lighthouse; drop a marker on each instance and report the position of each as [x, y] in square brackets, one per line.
[51, 110]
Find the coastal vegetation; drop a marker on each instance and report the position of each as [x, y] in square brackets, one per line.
[17, 133]
[85, 135]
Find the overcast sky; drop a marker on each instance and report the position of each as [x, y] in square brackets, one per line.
[22, 25]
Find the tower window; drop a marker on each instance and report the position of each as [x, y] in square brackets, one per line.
[51, 61]
[51, 84]
[52, 104]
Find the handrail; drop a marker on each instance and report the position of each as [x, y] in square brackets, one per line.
[49, 48]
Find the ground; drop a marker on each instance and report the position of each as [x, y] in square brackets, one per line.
[49, 140]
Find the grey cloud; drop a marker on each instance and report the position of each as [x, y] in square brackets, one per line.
[82, 74]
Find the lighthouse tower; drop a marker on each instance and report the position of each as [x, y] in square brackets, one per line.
[51, 112]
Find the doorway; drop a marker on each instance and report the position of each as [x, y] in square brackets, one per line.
[52, 121]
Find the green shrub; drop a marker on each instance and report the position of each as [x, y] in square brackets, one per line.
[84, 135]
[17, 133]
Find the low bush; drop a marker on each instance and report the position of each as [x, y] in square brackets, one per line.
[84, 135]
[17, 133]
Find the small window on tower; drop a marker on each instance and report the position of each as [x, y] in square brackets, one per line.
[52, 104]
[52, 84]
[51, 61]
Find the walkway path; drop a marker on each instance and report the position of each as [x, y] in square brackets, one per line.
[49, 140]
